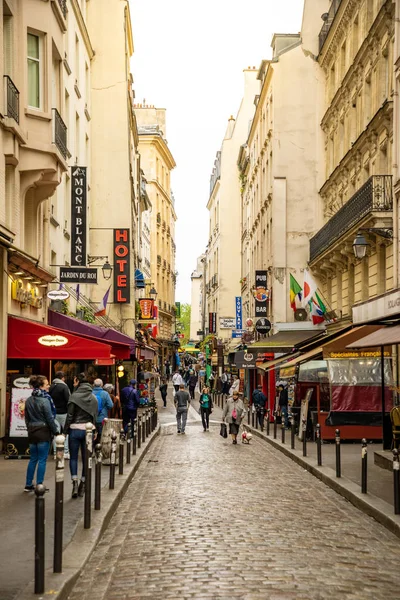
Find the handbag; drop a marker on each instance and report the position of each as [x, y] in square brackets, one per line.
[223, 431]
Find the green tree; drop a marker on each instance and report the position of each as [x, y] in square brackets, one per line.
[184, 319]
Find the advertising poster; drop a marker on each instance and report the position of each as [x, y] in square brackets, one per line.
[17, 442]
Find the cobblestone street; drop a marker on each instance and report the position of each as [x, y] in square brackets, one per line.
[206, 519]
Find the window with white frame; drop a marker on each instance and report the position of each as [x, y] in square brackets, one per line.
[34, 70]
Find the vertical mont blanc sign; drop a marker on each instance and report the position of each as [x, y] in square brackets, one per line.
[78, 216]
[122, 277]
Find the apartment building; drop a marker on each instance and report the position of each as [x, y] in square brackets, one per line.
[197, 300]
[157, 163]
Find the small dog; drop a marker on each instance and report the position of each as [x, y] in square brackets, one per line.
[246, 437]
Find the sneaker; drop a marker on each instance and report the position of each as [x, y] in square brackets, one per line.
[179, 430]
[66, 456]
[29, 488]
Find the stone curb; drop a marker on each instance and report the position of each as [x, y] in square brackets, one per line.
[380, 510]
[84, 541]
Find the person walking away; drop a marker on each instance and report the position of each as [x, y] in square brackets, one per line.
[41, 425]
[105, 404]
[167, 369]
[82, 409]
[211, 380]
[192, 384]
[206, 407]
[116, 411]
[182, 403]
[259, 399]
[164, 390]
[202, 377]
[235, 385]
[225, 380]
[177, 381]
[130, 401]
[233, 414]
[283, 403]
[59, 391]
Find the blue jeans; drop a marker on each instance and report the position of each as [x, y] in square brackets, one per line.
[76, 439]
[38, 457]
[181, 413]
[284, 413]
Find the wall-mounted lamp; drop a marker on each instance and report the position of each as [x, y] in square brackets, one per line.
[106, 268]
[153, 293]
[360, 244]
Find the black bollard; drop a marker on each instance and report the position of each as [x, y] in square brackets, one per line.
[59, 505]
[396, 481]
[134, 437]
[139, 430]
[97, 477]
[40, 491]
[143, 427]
[248, 416]
[113, 459]
[128, 444]
[121, 452]
[283, 432]
[364, 465]
[88, 476]
[252, 415]
[155, 417]
[319, 452]
[304, 430]
[149, 422]
[338, 462]
[268, 423]
[275, 425]
[292, 432]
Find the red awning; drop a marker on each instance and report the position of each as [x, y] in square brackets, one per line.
[30, 339]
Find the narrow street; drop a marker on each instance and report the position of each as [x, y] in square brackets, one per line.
[206, 519]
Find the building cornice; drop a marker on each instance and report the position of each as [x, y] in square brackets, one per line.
[162, 147]
[82, 27]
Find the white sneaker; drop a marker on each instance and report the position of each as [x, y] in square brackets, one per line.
[66, 456]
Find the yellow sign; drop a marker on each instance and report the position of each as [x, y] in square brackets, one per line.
[355, 354]
[287, 371]
[25, 297]
[53, 340]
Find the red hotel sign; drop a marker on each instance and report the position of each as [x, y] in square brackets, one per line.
[122, 279]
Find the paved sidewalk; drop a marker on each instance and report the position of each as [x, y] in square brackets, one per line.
[206, 519]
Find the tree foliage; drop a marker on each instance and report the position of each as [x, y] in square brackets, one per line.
[185, 320]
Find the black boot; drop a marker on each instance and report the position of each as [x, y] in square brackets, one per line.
[74, 488]
[81, 489]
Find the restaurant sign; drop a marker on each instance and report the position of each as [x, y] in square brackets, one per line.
[122, 273]
[356, 354]
[53, 340]
[71, 275]
[78, 216]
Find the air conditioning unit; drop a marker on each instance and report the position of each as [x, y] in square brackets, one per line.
[300, 314]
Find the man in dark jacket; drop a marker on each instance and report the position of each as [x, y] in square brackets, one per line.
[130, 402]
[182, 403]
[192, 384]
[259, 400]
[283, 403]
[59, 391]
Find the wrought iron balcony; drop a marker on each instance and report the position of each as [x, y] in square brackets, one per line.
[376, 195]
[60, 133]
[63, 7]
[328, 20]
[12, 99]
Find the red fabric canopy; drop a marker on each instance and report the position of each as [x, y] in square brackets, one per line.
[23, 342]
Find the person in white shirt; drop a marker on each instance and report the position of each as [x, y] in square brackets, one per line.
[177, 380]
[235, 385]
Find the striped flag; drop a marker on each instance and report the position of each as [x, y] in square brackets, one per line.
[78, 291]
[295, 291]
[103, 306]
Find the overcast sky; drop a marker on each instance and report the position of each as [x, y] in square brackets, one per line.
[189, 58]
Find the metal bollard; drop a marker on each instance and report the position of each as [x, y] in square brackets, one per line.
[40, 491]
[149, 422]
[338, 462]
[155, 417]
[121, 452]
[88, 476]
[144, 427]
[139, 430]
[275, 425]
[128, 444]
[97, 477]
[396, 481]
[304, 430]
[113, 459]
[134, 437]
[248, 417]
[292, 432]
[268, 423]
[252, 415]
[319, 449]
[59, 505]
[283, 432]
[364, 465]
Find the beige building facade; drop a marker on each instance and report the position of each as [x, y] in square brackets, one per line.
[197, 300]
[223, 268]
[356, 46]
[279, 165]
[157, 163]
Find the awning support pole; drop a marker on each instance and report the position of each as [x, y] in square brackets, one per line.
[383, 395]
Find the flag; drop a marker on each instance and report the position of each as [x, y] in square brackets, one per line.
[61, 286]
[295, 290]
[78, 291]
[103, 306]
[309, 287]
[318, 310]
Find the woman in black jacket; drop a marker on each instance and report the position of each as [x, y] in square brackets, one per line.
[82, 409]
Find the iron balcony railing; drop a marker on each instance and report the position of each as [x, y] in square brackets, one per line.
[12, 99]
[375, 195]
[63, 7]
[328, 18]
[60, 133]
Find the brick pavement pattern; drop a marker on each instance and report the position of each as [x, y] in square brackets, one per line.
[206, 519]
